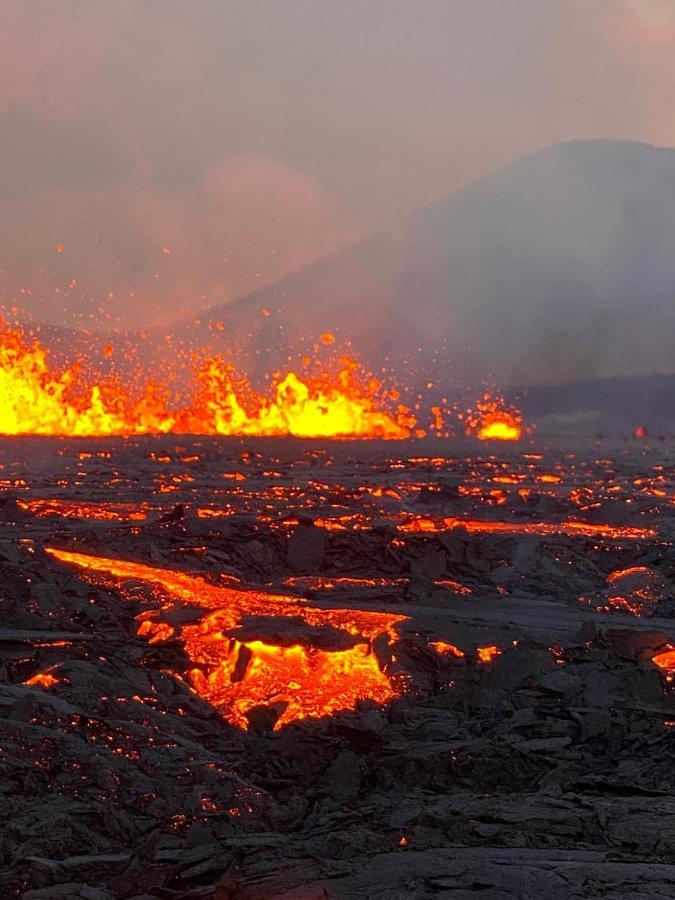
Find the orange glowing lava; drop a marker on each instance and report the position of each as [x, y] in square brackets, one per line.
[36, 399]
[636, 590]
[324, 664]
[493, 420]
[666, 661]
[71, 509]
[446, 649]
[569, 528]
[487, 654]
[42, 679]
[327, 583]
[303, 407]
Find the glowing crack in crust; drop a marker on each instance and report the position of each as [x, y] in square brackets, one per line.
[237, 674]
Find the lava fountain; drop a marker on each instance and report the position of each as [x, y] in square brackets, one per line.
[36, 399]
[341, 400]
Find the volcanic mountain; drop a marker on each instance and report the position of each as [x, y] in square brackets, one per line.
[557, 268]
[556, 271]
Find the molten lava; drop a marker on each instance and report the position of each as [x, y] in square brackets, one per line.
[570, 528]
[43, 679]
[237, 671]
[35, 399]
[666, 661]
[310, 407]
[493, 420]
[487, 654]
[71, 509]
[446, 649]
[637, 590]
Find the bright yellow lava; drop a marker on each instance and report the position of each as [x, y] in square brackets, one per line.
[37, 399]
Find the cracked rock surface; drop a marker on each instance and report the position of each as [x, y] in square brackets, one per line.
[528, 748]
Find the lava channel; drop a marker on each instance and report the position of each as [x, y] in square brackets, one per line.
[254, 650]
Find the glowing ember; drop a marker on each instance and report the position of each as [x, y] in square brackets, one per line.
[34, 399]
[493, 420]
[238, 674]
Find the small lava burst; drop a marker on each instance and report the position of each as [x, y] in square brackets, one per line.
[322, 662]
[494, 420]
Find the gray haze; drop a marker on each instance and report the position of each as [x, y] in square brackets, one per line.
[250, 138]
[557, 268]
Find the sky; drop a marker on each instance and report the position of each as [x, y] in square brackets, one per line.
[161, 156]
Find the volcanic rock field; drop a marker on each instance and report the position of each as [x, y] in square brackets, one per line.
[278, 668]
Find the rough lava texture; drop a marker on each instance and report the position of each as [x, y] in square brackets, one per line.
[527, 752]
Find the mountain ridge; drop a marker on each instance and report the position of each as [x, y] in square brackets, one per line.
[574, 284]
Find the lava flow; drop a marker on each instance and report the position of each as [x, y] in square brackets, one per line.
[35, 399]
[78, 509]
[569, 528]
[245, 656]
